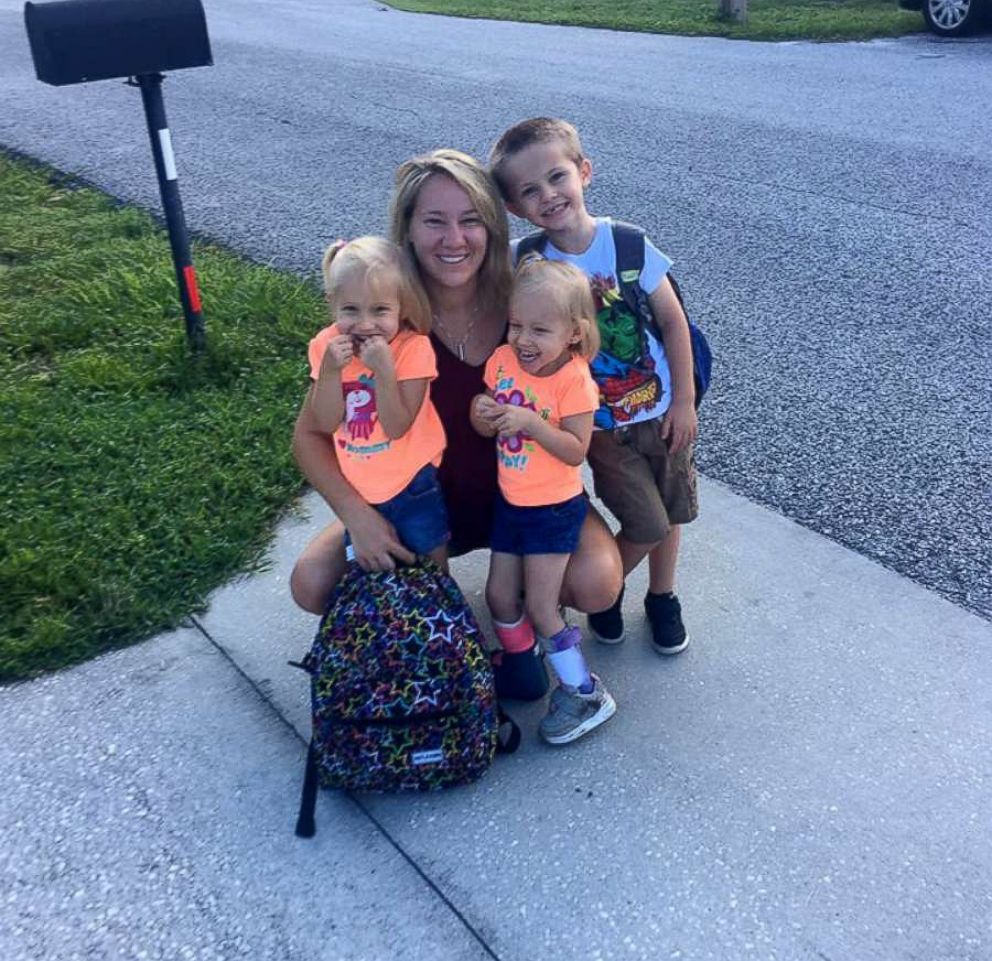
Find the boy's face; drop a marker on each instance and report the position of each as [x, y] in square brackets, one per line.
[546, 187]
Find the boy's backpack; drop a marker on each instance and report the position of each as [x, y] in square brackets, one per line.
[401, 691]
[629, 243]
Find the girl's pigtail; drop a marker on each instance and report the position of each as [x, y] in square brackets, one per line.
[325, 264]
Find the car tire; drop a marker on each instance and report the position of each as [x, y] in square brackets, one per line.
[951, 18]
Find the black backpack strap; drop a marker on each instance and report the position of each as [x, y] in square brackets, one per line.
[532, 244]
[507, 732]
[305, 825]
[629, 243]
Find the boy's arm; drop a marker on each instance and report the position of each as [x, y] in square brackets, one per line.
[680, 424]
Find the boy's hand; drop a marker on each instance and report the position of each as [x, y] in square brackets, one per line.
[679, 425]
[376, 355]
[337, 355]
[512, 419]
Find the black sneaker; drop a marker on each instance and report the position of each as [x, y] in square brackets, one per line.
[664, 612]
[521, 676]
[607, 626]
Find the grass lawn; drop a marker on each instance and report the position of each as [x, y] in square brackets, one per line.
[135, 477]
[767, 20]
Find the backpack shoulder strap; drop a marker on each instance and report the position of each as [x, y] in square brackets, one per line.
[532, 244]
[629, 243]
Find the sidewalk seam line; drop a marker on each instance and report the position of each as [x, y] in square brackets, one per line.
[351, 797]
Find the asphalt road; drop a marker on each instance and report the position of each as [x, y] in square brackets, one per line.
[828, 208]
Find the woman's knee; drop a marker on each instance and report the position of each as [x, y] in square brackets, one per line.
[318, 569]
[595, 572]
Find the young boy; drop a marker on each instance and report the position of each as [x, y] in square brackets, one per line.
[641, 455]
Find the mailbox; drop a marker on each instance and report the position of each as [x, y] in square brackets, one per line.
[73, 41]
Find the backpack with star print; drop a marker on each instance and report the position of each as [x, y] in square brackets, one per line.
[401, 689]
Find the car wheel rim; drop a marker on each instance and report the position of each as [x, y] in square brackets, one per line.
[949, 14]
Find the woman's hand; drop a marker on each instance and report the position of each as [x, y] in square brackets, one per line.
[376, 546]
[679, 425]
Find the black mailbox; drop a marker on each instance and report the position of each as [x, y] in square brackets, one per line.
[73, 41]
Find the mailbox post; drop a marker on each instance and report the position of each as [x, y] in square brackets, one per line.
[75, 41]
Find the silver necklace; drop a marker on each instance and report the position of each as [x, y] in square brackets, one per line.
[457, 347]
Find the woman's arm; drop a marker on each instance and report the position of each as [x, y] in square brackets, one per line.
[373, 537]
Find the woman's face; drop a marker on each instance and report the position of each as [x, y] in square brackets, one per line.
[447, 233]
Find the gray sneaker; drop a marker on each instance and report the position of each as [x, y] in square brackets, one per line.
[572, 713]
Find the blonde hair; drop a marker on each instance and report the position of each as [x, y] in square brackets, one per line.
[378, 262]
[523, 135]
[568, 289]
[471, 176]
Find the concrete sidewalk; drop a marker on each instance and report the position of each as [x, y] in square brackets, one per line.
[809, 780]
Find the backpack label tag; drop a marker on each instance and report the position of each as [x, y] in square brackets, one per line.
[630, 276]
[434, 756]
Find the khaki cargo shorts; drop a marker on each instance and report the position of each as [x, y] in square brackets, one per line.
[646, 488]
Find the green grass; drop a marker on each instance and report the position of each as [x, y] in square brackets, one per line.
[767, 20]
[134, 477]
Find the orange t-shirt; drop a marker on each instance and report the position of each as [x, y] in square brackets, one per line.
[528, 475]
[375, 465]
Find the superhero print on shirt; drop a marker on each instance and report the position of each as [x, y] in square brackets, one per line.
[513, 451]
[624, 369]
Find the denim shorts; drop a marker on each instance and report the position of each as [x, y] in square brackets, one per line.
[538, 530]
[418, 513]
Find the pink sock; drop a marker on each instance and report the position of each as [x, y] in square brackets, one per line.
[515, 638]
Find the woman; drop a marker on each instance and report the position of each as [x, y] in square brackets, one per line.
[447, 213]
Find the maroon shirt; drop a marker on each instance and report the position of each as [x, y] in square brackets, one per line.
[468, 468]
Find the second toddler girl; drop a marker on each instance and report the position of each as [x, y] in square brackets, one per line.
[371, 369]
[540, 402]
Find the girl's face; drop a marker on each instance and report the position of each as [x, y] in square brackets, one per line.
[363, 310]
[447, 233]
[540, 337]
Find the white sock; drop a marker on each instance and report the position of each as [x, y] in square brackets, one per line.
[570, 666]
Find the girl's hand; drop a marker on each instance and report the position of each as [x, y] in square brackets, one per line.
[512, 420]
[377, 548]
[376, 355]
[337, 355]
[486, 408]
[680, 425]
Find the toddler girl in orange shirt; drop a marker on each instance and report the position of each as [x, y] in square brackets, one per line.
[539, 405]
[371, 370]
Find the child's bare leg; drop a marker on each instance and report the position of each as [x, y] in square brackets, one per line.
[662, 561]
[543, 575]
[503, 587]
